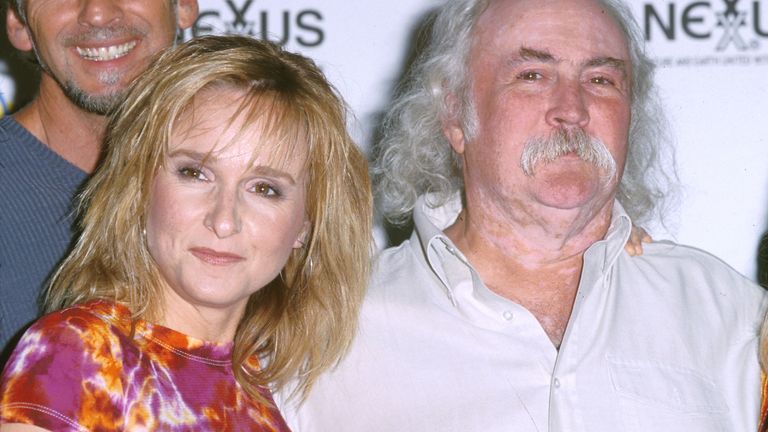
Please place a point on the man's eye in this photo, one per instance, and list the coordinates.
(529, 76)
(601, 80)
(265, 189)
(195, 173)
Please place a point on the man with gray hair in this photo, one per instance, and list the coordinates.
(525, 142)
(88, 53)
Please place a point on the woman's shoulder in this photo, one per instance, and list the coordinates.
(67, 361)
(91, 316)
(81, 341)
(88, 326)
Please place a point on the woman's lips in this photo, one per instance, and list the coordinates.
(215, 257)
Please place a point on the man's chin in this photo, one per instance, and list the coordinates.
(94, 104)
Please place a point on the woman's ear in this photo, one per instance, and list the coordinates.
(301, 240)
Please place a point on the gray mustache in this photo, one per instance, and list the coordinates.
(539, 150)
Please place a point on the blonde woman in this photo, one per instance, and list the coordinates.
(224, 250)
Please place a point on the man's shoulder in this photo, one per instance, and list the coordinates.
(692, 268)
(398, 271)
(11, 132)
(395, 262)
(27, 156)
(11, 137)
(395, 254)
(676, 254)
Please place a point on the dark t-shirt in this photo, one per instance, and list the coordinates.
(37, 188)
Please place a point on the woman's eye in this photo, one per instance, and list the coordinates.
(195, 173)
(265, 189)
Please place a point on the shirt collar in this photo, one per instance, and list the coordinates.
(615, 239)
(431, 218)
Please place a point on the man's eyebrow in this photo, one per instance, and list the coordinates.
(612, 62)
(526, 53)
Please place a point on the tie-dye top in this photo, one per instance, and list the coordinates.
(764, 407)
(83, 369)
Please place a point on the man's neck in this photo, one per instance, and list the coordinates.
(535, 238)
(72, 133)
(537, 265)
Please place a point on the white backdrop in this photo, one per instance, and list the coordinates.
(713, 77)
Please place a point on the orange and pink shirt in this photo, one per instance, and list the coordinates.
(763, 427)
(84, 369)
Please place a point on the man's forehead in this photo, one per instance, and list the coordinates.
(551, 25)
(572, 11)
(533, 4)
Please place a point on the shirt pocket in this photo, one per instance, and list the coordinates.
(661, 397)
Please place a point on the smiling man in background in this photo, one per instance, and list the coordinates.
(88, 52)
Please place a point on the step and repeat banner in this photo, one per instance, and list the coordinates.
(713, 78)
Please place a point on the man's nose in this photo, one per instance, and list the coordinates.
(568, 109)
(100, 13)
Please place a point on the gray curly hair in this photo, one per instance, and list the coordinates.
(414, 157)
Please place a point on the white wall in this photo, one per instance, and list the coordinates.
(714, 97)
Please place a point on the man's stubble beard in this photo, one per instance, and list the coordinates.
(101, 105)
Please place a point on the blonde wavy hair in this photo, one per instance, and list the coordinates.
(303, 321)
(763, 345)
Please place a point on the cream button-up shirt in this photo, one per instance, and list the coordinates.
(666, 341)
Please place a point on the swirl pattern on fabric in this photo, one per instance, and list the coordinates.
(91, 368)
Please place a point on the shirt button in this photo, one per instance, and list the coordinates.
(557, 383)
(508, 315)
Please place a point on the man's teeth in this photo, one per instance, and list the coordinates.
(105, 53)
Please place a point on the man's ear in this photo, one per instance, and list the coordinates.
(186, 13)
(18, 33)
(452, 129)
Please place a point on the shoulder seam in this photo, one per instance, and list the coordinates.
(48, 411)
